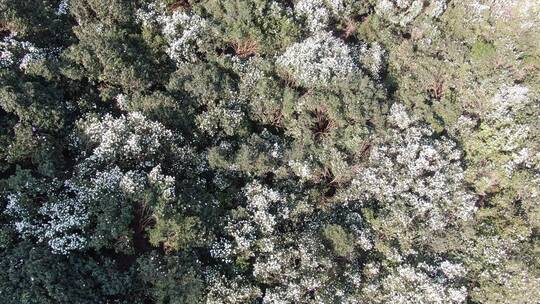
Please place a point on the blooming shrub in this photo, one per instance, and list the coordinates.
(269, 151)
(320, 60)
(416, 180)
(125, 139)
(422, 283)
(185, 35)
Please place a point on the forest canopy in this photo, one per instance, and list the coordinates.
(269, 151)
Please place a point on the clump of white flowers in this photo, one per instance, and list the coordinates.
(127, 138)
(64, 229)
(185, 34)
(403, 12)
(494, 260)
(372, 59)
(230, 291)
(320, 60)
(422, 283)
(417, 179)
(318, 13)
(226, 115)
(303, 169)
(61, 221)
(505, 130)
(259, 221)
(62, 8)
(151, 14)
(506, 121)
(165, 183)
(23, 53)
(293, 264)
(249, 71)
(121, 102)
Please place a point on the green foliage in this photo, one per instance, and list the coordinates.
(340, 240)
(176, 234)
(172, 279)
(482, 50)
(253, 26)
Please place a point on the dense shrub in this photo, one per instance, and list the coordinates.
(269, 151)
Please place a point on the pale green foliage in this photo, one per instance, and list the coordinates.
(403, 12)
(340, 240)
(176, 234)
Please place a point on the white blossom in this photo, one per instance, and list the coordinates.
(185, 34)
(163, 182)
(62, 8)
(229, 291)
(61, 221)
(129, 138)
(226, 116)
(23, 53)
(320, 60)
(417, 179)
(419, 283)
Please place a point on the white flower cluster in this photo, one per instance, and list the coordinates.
(259, 222)
(318, 13)
(63, 8)
(510, 133)
(23, 53)
(151, 14)
(185, 34)
(303, 169)
(131, 182)
(298, 273)
(61, 221)
(373, 59)
(130, 138)
(505, 129)
(507, 104)
(321, 60)
(249, 71)
(64, 230)
(260, 199)
(121, 102)
(403, 12)
(226, 116)
(294, 265)
(421, 283)
(515, 11)
(417, 179)
(494, 257)
(165, 183)
(229, 291)
(23, 223)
